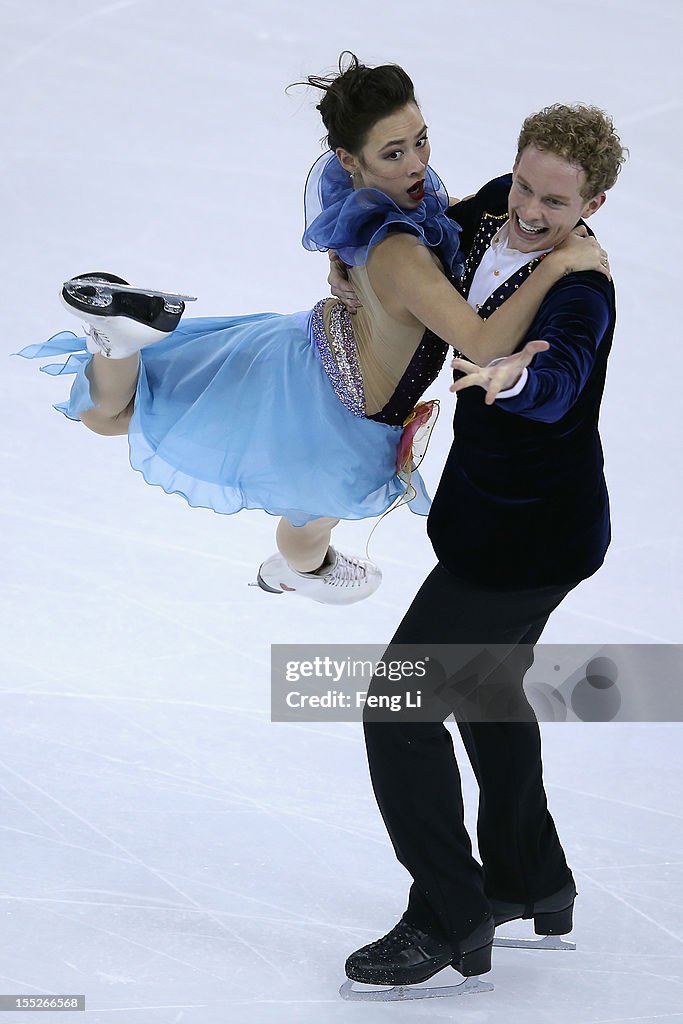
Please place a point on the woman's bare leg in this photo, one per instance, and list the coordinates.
(112, 389)
(304, 548)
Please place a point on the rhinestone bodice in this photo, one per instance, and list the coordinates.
(339, 356)
(422, 371)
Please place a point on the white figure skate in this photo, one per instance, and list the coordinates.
(346, 580)
(120, 319)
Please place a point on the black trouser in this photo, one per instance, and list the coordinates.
(417, 784)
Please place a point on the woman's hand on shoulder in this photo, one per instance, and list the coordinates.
(579, 251)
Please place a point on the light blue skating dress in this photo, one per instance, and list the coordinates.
(267, 411)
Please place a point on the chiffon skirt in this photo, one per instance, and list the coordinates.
(238, 412)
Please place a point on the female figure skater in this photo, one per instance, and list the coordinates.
(303, 415)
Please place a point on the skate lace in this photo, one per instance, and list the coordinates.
(348, 572)
(99, 337)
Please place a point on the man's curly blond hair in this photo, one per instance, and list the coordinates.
(581, 135)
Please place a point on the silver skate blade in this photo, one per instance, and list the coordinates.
(547, 942)
(262, 586)
(260, 582)
(98, 282)
(354, 991)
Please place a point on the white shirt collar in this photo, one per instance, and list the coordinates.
(500, 241)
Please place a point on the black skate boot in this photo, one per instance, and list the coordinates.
(119, 319)
(407, 955)
(553, 915)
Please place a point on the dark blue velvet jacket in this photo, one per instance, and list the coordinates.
(522, 501)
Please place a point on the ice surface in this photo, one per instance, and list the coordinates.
(166, 849)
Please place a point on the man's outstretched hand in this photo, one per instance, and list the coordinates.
(340, 285)
(499, 375)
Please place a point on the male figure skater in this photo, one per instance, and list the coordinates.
(520, 517)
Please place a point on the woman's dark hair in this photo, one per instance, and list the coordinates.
(357, 98)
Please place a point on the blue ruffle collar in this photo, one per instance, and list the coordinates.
(351, 221)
